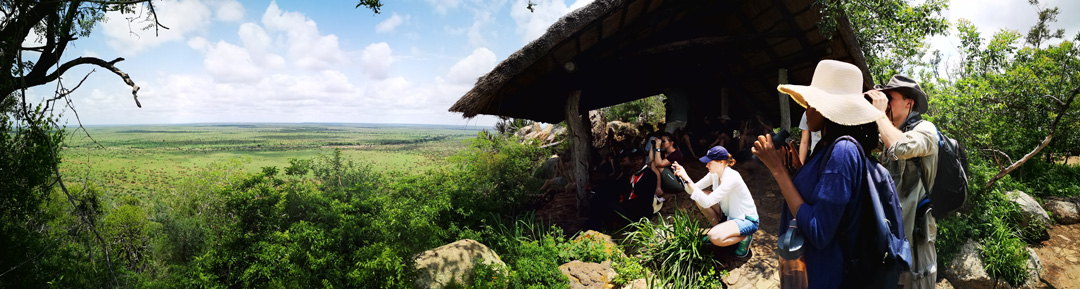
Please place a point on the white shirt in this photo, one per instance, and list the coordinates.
(729, 191)
(815, 136)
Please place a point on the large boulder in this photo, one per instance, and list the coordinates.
(967, 270)
(1066, 212)
(1034, 222)
(588, 275)
(453, 262)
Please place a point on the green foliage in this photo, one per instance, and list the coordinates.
(298, 167)
(1006, 101)
(649, 110)
(993, 223)
(675, 248)
(893, 34)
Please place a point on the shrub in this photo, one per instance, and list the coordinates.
(991, 221)
(673, 248)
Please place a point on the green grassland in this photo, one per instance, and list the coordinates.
(149, 158)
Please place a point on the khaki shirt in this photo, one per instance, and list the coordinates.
(917, 145)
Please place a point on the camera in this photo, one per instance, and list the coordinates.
(780, 139)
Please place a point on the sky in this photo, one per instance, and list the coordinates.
(324, 61)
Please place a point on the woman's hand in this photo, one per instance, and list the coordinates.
(681, 172)
(765, 150)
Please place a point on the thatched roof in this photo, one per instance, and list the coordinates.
(616, 51)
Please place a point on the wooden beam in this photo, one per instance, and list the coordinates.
(579, 150)
(677, 45)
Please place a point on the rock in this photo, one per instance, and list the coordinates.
(454, 261)
(637, 284)
(967, 269)
(588, 275)
(944, 284)
(1034, 270)
(1033, 216)
(1065, 212)
(609, 245)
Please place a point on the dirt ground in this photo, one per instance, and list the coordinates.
(1059, 256)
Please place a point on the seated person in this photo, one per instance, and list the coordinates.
(629, 195)
(729, 197)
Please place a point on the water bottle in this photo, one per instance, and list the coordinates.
(792, 265)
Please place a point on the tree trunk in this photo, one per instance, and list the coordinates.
(579, 148)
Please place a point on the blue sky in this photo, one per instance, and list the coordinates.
(324, 61)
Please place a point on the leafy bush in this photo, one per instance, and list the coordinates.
(674, 247)
(992, 222)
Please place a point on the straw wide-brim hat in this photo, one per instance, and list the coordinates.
(836, 92)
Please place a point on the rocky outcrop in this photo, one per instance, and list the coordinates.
(1034, 221)
(452, 262)
(1064, 211)
(588, 275)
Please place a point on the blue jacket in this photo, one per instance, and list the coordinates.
(828, 191)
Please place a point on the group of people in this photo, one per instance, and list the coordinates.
(826, 184)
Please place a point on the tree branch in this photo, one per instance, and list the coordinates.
(1043, 144)
(999, 152)
(31, 81)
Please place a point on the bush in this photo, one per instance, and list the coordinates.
(674, 248)
(992, 222)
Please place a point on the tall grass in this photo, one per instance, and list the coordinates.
(674, 247)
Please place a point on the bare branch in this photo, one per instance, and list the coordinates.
(999, 152)
(1043, 144)
(30, 81)
(1055, 99)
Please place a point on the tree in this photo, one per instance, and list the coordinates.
(1012, 102)
(892, 33)
(31, 139)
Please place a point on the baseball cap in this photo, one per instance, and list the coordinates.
(716, 153)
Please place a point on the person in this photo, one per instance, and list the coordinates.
(624, 195)
(910, 153)
(808, 141)
(677, 106)
(820, 193)
(728, 196)
(664, 153)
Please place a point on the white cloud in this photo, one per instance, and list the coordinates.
(468, 69)
(533, 24)
(376, 60)
(228, 10)
(442, 6)
(388, 25)
(481, 20)
(124, 32)
(307, 49)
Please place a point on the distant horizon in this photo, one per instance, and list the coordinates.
(478, 127)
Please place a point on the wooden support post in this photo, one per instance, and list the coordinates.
(785, 110)
(579, 152)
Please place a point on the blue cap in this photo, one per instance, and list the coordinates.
(716, 153)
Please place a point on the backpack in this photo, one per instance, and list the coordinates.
(882, 252)
(951, 184)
